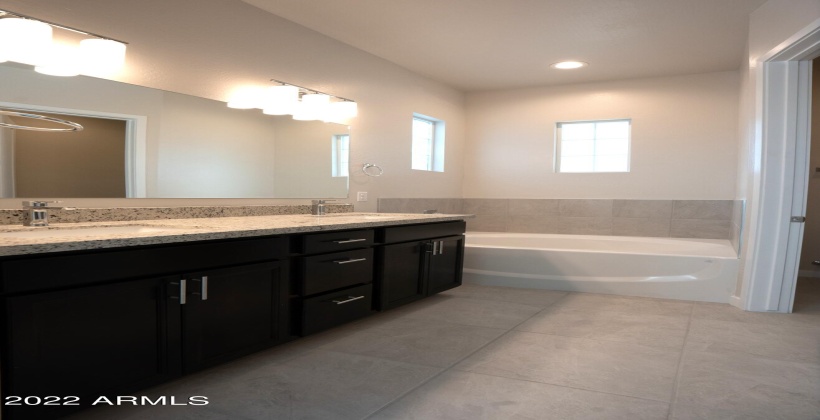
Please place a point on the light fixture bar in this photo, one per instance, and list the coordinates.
(7, 13)
(311, 90)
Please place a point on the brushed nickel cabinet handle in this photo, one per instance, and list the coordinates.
(441, 248)
(349, 299)
(348, 241)
(352, 260)
(183, 291)
(435, 248)
(203, 287)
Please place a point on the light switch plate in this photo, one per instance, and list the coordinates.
(361, 196)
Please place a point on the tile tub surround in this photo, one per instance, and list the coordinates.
(118, 214)
(479, 352)
(703, 219)
(202, 229)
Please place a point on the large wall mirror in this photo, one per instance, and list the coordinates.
(143, 142)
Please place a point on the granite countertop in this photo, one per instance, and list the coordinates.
(58, 237)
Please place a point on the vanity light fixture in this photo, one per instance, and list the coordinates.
(569, 65)
(28, 40)
(281, 100)
(302, 103)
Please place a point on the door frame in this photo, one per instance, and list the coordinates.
(136, 131)
(780, 173)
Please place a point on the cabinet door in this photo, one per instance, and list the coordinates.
(445, 265)
(400, 271)
(232, 312)
(85, 342)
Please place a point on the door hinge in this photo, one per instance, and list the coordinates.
(798, 219)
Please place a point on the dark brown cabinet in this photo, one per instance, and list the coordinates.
(427, 260)
(115, 334)
(112, 322)
(335, 286)
(85, 342)
(227, 313)
(444, 266)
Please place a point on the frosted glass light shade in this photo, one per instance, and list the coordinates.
(314, 106)
(247, 98)
(101, 57)
(281, 100)
(24, 41)
(61, 60)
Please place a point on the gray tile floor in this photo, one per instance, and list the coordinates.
(480, 352)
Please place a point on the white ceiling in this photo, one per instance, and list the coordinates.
(494, 44)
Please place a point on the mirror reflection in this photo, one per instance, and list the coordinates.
(142, 142)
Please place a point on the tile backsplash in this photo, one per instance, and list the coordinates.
(706, 219)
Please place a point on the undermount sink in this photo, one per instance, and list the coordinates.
(70, 232)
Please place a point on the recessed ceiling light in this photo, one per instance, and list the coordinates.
(567, 65)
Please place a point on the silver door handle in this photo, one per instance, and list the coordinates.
(350, 261)
(441, 248)
(347, 241)
(350, 299)
(183, 291)
(435, 248)
(203, 287)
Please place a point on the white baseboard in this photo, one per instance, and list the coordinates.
(736, 302)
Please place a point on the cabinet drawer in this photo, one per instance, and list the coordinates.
(337, 241)
(424, 231)
(322, 273)
(332, 309)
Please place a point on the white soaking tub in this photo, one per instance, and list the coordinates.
(671, 268)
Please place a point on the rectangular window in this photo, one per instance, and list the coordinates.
(592, 146)
(428, 144)
(340, 155)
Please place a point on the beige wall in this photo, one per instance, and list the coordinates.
(303, 160)
(185, 46)
(77, 164)
(769, 26)
(207, 150)
(683, 139)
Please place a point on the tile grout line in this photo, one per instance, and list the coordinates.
(676, 383)
(448, 368)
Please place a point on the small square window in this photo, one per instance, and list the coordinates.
(428, 144)
(592, 146)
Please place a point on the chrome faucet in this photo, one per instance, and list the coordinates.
(317, 208)
(37, 214)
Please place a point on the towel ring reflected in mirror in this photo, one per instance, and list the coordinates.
(72, 126)
(371, 169)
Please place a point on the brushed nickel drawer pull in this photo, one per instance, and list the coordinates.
(348, 241)
(350, 261)
(349, 299)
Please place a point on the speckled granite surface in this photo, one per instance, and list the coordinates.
(15, 216)
(68, 236)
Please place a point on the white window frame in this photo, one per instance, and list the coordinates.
(340, 162)
(559, 141)
(434, 147)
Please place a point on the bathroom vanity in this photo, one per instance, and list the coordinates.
(111, 314)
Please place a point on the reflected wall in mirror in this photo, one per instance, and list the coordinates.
(172, 145)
